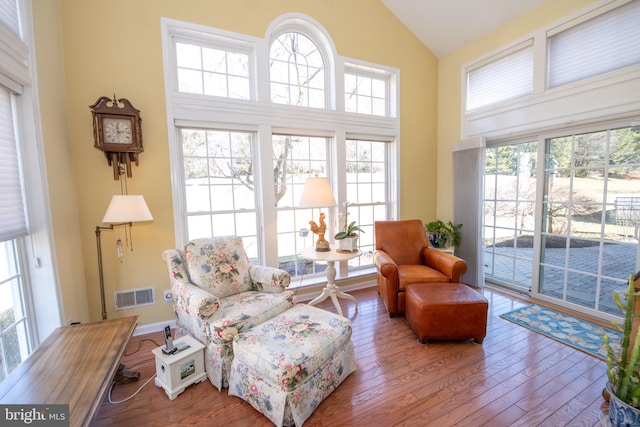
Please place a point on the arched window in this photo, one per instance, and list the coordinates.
(254, 115)
(297, 71)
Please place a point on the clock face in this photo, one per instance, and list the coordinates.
(117, 131)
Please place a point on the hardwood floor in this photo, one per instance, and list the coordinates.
(515, 378)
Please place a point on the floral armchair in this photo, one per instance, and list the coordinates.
(217, 294)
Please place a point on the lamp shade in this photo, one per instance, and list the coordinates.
(127, 208)
(317, 194)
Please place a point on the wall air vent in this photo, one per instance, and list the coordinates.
(134, 298)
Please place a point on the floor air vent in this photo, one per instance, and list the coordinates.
(134, 298)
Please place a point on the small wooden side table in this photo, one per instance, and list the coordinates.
(331, 290)
(175, 372)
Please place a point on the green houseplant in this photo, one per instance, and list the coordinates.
(441, 233)
(623, 364)
(348, 237)
(348, 231)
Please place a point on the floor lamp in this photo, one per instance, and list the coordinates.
(317, 194)
(123, 210)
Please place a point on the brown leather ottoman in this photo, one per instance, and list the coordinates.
(446, 311)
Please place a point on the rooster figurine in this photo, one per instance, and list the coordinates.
(321, 244)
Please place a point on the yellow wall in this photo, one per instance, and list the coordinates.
(115, 47)
(450, 84)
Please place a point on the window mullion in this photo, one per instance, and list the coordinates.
(540, 43)
(266, 197)
(261, 65)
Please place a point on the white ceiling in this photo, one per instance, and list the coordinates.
(445, 25)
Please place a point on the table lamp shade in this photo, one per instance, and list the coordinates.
(127, 208)
(317, 194)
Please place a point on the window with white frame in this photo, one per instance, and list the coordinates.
(219, 185)
(295, 158)
(18, 335)
(297, 71)
(597, 48)
(212, 70)
(242, 166)
(604, 43)
(506, 77)
(365, 94)
(14, 324)
(367, 191)
(560, 208)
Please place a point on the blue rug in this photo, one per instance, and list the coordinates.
(569, 330)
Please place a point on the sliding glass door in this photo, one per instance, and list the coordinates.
(509, 206)
(590, 217)
(566, 230)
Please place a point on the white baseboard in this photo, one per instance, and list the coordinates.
(153, 327)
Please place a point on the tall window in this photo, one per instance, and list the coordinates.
(219, 185)
(240, 164)
(15, 325)
(295, 159)
(367, 191)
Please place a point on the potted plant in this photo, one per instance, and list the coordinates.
(348, 238)
(440, 233)
(623, 365)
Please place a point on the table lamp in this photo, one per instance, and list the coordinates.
(123, 210)
(317, 194)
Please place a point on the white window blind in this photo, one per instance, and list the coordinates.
(507, 77)
(13, 222)
(605, 43)
(9, 16)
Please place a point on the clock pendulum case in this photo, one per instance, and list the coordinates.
(117, 131)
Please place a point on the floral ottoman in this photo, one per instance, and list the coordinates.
(286, 366)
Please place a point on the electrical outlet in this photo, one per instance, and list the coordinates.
(168, 296)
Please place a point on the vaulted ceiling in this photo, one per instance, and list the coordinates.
(445, 25)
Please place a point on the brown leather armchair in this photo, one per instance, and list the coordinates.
(402, 256)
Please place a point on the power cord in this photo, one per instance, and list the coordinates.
(142, 386)
(130, 397)
(295, 292)
(139, 343)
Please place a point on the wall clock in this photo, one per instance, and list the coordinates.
(117, 131)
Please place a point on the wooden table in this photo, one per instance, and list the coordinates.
(75, 365)
(331, 290)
